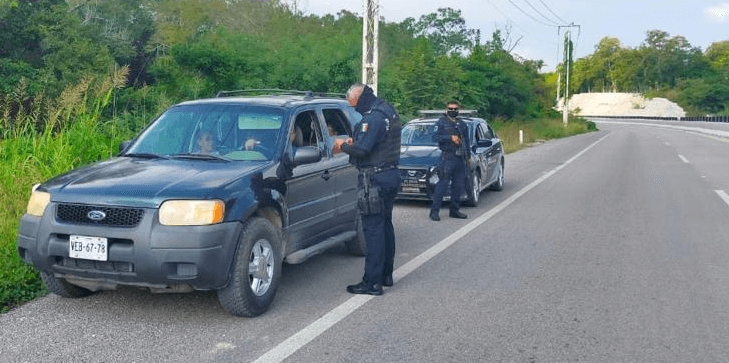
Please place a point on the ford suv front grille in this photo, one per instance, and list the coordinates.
(98, 215)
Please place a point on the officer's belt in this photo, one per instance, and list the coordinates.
(377, 169)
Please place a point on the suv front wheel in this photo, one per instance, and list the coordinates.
(256, 270)
(63, 288)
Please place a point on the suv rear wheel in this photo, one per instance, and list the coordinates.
(358, 245)
(256, 270)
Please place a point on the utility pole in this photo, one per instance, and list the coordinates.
(370, 29)
(567, 56)
(567, 61)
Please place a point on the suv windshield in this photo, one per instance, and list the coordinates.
(418, 134)
(236, 132)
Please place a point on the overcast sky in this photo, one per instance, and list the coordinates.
(535, 22)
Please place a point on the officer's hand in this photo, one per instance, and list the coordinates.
(337, 146)
(350, 141)
(455, 139)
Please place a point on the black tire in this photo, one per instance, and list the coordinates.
(475, 191)
(256, 270)
(499, 183)
(357, 246)
(63, 288)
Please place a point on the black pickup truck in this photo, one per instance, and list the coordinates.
(215, 194)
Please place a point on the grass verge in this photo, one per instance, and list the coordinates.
(71, 136)
(539, 130)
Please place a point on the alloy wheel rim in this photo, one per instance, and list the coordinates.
(501, 176)
(260, 267)
(476, 187)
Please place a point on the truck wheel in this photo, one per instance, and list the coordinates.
(63, 288)
(256, 270)
(358, 245)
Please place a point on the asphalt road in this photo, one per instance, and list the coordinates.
(606, 247)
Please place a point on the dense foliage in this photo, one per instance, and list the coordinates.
(663, 66)
(178, 50)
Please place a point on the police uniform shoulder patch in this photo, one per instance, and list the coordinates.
(365, 126)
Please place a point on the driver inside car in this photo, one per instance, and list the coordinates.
(205, 143)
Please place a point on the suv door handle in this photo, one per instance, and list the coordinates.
(326, 175)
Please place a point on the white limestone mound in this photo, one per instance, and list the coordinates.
(621, 104)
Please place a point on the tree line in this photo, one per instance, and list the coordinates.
(663, 65)
(178, 50)
(184, 49)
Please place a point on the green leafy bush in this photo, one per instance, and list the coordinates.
(72, 136)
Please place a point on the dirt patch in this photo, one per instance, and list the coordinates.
(621, 104)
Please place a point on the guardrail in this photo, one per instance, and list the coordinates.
(666, 118)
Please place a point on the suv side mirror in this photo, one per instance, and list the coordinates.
(484, 143)
(307, 155)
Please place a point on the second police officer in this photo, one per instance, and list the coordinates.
(451, 134)
(375, 151)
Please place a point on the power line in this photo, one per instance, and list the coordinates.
(540, 13)
(529, 15)
(507, 18)
(550, 10)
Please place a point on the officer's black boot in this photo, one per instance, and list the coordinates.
(365, 288)
(457, 214)
(434, 215)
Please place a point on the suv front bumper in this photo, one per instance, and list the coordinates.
(149, 254)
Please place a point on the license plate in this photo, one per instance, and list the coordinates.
(410, 182)
(88, 248)
(410, 190)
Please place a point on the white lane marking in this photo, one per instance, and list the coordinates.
(313, 330)
(722, 194)
(708, 136)
(683, 158)
(718, 133)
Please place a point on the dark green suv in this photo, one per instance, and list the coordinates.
(215, 194)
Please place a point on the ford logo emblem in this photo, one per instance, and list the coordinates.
(96, 215)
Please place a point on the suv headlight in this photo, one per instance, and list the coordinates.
(191, 212)
(38, 202)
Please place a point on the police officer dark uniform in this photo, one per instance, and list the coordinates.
(375, 151)
(452, 138)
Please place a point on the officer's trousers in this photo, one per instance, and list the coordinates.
(453, 170)
(379, 230)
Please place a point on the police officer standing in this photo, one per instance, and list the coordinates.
(375, 151)
(452, 137)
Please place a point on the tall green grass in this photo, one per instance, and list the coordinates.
(52, 137)
(539, 130)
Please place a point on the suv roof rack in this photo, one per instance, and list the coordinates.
(278, 92)
(442, 112)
